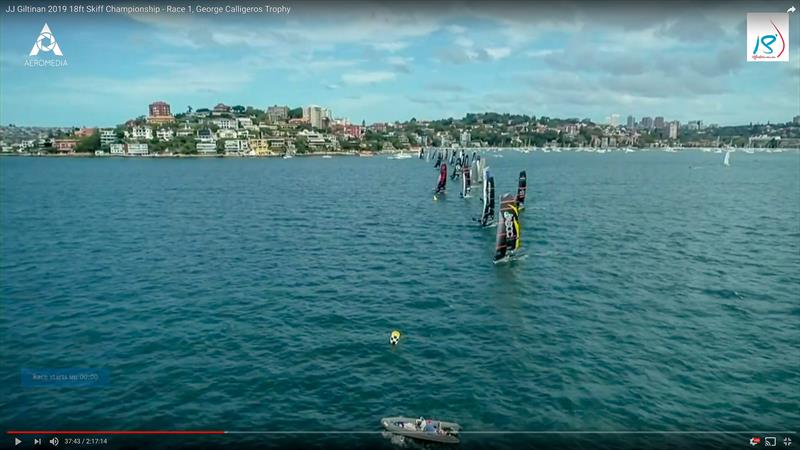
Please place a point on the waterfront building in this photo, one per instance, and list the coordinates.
(137, 149)
(631, 122)
(226, 133)
(221, 109)
(315, 140)
(244, 122)
(65, 145)
(141, 133)
(116, 148)
(108, 136)
(378, 127)
(205, 135)
(85, 132)
(205, 147)
(276, 143)
(647, 123)
(673, 130)
(317, 116)
(796, 120)
(695, 125)
(158, 109)
(165, 134)
(465, 138)
(259, 146)
(571, 129)
(658, 123)
(236, 146)
(350, 131)
(159, 112)
(277, 113)
(225, 123)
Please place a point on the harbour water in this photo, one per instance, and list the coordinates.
(660, 292)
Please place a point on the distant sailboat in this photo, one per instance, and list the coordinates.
(522, 190)
(442, 183)
(487, 216)
(466, 182)
(727, 161)
(480, 168)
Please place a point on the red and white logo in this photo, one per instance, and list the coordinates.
(755, 441)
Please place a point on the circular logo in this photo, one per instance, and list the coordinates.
(51, 42)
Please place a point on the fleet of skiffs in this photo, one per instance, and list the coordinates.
(472, 170)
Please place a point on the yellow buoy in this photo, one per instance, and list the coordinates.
(395, 337)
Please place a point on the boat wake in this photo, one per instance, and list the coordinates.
(512, 258)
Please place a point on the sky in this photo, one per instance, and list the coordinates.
(387, 61)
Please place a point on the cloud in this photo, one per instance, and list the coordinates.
(498, 53)
(390, 46)
(445, 86)
(539, 53)
(387, 27)
(463, 41)
(456, 55)
(692, 28)
(214, 79)
(456, 29)
(401, 64)
(356, 107)
(464, 55)
(424, 100)
(364, 77)
(673, 61)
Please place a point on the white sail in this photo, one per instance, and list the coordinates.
(727, 161)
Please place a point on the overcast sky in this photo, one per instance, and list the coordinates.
(374, 62)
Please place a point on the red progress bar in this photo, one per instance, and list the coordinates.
(115, 432)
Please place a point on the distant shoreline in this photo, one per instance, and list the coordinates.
(176, 156)
(414, 152)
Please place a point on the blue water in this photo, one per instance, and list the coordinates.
(660, 292)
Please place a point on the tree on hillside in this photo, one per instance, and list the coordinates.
(296, 113)
(301, 145)
(88, 144)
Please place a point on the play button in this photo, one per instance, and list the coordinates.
(17, 441)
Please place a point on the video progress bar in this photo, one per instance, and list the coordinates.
(477, 432)
(129, 432)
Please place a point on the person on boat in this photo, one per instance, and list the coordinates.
(442, 178)
(430, 427)
(420, 423)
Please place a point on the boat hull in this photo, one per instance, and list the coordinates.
(406, 426)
